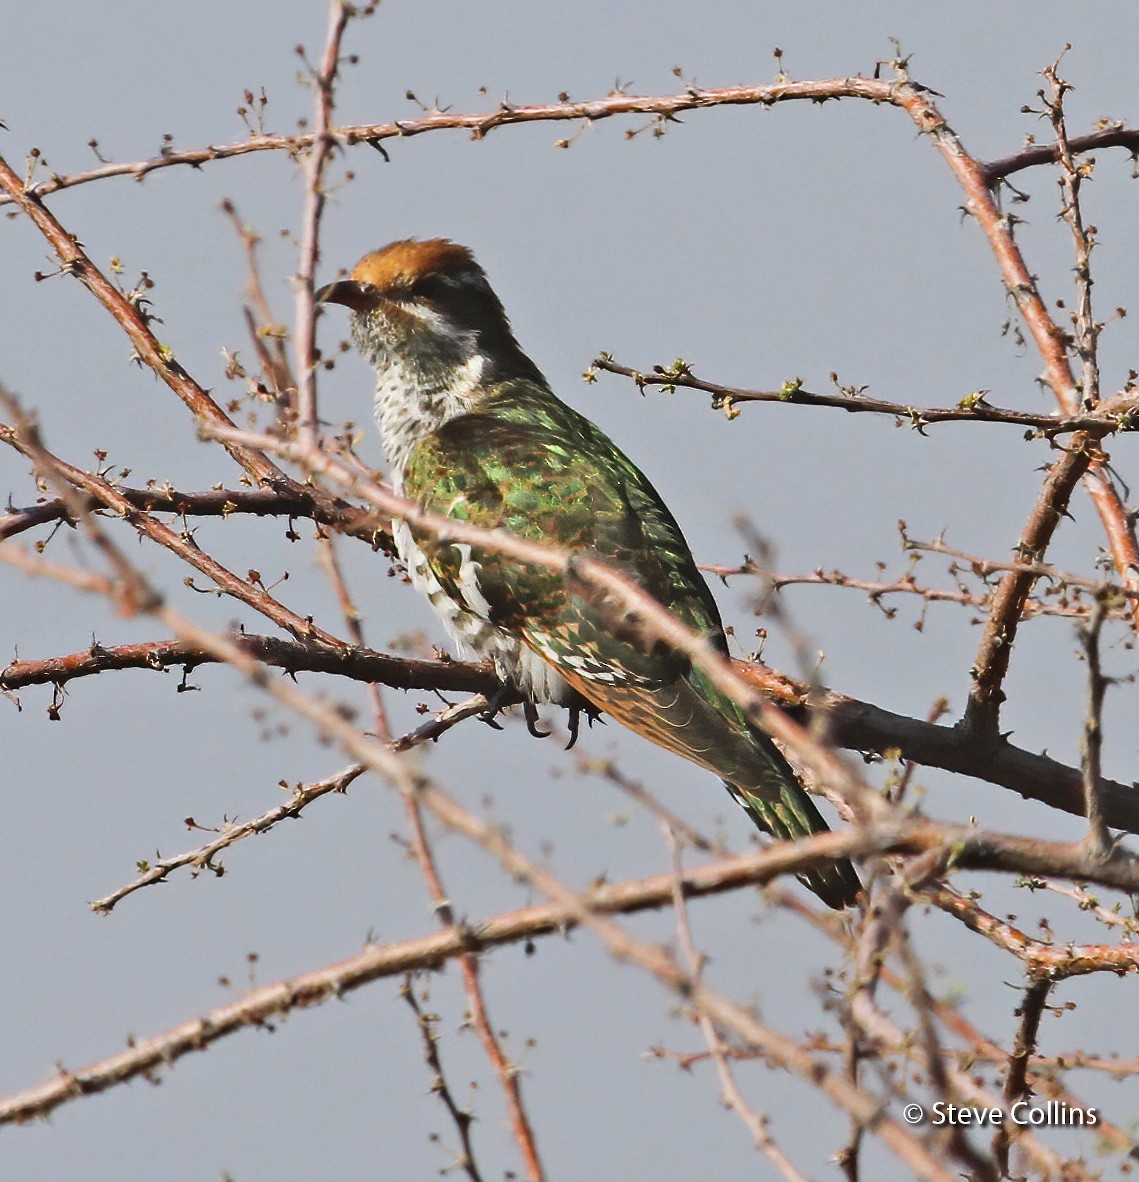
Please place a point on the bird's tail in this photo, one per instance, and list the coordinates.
(756, 772)
(790, 815)
(692, 718)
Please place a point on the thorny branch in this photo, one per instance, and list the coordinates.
(203, 858)
(983, 568)
(462, 1118)
(1016, 1078)
(1067, 595)
(617, 594)
(129, 310)
(623, 947)
(222, 502)
(303, 795)
(249, 591)
(1099, 840)
(265, 334)
(1072, 175)
(932, 840)
(616, 105)
(1109, 135)
(1115, 415)
(1045, 1070)
(852, 724)
(1082, 459)
(316, 164)
(478, 1014)
(259, 1006)
(783, 1050)
(480, 124)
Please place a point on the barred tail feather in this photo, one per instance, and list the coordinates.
(794, 816)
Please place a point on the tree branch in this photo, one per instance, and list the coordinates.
(379, 961)
(1113, 136)
(480, 124)
(852, 724)
(1115, 415)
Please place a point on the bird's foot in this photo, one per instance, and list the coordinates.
(576, 710)
(495, 704)
(530, 712)
(505, 696)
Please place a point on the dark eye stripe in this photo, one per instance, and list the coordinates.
(432, 286)
(440, 284)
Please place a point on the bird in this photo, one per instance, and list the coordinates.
(474, 432)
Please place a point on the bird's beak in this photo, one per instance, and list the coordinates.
(348, 292)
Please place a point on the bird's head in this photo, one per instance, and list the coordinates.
(427, 306)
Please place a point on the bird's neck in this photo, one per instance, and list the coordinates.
(413, 402)
(420, 385)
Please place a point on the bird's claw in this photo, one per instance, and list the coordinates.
(505, 696)
(530, 712)
(576, 710)
(494, 706)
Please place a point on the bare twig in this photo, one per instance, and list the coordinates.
(248, 591)
(883, 831)
(1112, 135)
(480, 124)
(1045, 1071)
(1057, 962)
(203, 857)
(460, 1117)
(274, 358)
(1089, 904)
(1016, 1078)
(853, 724)
(618, 104)
(303, 796)
(223, 502)
(1115, 416)
(133, 318)
(731, 1095)
(505, 1071)
(331, 562)
(982, 713)
(294, 656)
(1099, 839)
(933, 1055)
(878, 590)
(885, 905)
(378, 961)
(983, 567)
(1072, 176)
(315, 167)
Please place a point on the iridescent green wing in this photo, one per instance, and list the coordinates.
(526, 462)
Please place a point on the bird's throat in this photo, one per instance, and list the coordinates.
(421, 382)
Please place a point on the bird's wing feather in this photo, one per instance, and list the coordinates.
(527, 463)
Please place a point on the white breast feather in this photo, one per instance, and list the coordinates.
(468, 624)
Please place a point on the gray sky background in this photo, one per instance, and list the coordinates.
(759, 246)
